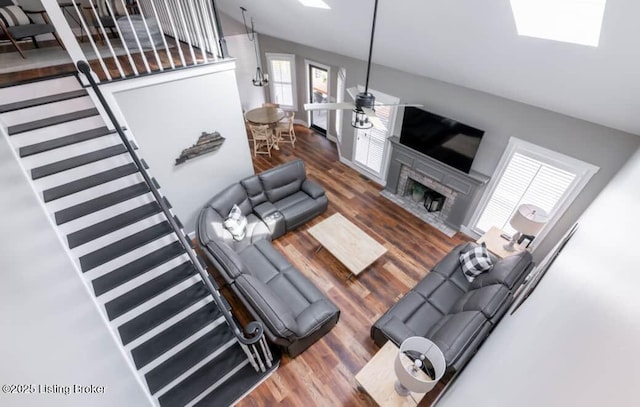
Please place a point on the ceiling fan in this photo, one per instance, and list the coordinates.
(363, 107)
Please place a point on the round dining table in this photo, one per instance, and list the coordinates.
(264, 115)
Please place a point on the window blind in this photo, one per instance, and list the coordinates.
(370, 144)
(524, 180)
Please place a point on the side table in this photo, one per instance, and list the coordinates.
(377, 379)
(495, 243)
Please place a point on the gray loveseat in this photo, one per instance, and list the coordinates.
(294, 312)
(452, 312)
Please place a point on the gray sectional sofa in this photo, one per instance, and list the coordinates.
(452, 312)
(294, 312)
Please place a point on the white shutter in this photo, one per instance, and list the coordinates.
(370, 144)
(524, 180)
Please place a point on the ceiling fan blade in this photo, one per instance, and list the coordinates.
(375, 120)
(325, 106)
(353, 92)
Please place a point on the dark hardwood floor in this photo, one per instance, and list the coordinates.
(163, 57)
(324, 375)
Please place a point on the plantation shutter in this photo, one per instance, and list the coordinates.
(370, 144)
(524, 180)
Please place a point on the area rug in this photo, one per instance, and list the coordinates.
(428, 217)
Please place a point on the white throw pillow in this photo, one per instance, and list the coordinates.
(236, 223)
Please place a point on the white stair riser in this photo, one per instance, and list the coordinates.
(157, 300)
(95, 192)
(118, 235)
(47, 110)
(39, 89)
(70, 151)
(59, 130)
(149, 275)
(195, 367)
(217, 384)
(171, 321)
(176, 349)
(87, 170)
(130, 257)
(104, 214)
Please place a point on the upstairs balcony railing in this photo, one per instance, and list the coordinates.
(129, 38)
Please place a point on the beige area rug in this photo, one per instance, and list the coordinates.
(51, 56)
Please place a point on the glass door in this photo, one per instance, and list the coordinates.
(318, 93)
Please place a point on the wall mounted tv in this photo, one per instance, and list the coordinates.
(446, 140)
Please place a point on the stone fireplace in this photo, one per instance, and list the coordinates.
(409, 167)
(409, 178)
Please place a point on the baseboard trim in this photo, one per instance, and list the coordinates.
(469, 232)
(354, 167)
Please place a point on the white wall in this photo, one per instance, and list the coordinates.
(52, 332)
(165, 118)
(241, 48)
(575, 341)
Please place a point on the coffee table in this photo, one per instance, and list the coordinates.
(347, 243)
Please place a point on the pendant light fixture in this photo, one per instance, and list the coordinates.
(261, 79)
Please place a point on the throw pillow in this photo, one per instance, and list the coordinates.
(475, 261)
(12, 16)
(236, 223)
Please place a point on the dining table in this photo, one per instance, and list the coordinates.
(265, 115)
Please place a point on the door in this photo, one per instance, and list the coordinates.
(318, 92)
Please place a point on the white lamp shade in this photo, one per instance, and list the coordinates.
(529, 219)
(419, 382)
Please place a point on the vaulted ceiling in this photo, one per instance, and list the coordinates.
(476, 44)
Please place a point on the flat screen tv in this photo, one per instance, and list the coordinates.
(451, 142)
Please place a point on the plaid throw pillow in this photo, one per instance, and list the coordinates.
(475, 261)
(235, 223)
(12, 16)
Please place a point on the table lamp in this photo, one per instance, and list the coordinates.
(527, 220)
(411, 377)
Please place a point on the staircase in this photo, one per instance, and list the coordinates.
(169, 316)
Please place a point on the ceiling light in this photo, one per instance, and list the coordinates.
(315, 4)
(573, 21)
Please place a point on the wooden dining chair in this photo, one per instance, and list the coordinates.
(285, 130)
(16, 25)
(262, 139)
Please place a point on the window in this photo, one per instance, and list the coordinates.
(341, 89)
(573, 21)
(371, 145)
(530, 174)
(282, 79)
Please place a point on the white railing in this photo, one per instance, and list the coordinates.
(129, 38)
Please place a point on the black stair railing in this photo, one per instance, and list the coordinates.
(252, 340)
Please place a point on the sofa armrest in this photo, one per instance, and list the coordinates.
(314, 316)
(312, 188)
(266, 303)
(508, 271)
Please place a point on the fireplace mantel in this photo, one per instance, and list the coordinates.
(465, 185)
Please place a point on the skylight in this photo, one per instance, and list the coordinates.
(315, 3)
(574, 21)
